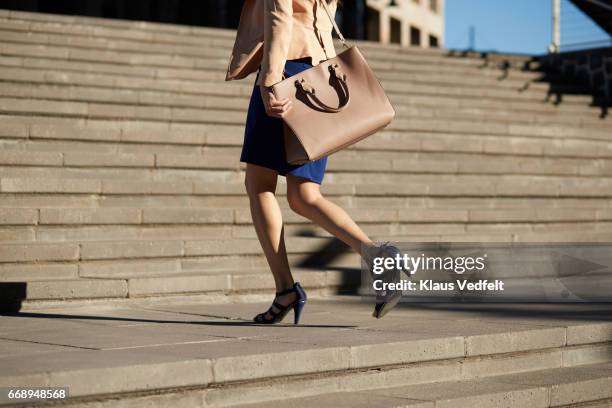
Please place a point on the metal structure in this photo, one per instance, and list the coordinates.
(580, 24)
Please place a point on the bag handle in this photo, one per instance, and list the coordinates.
(343, 99)
(333, 21)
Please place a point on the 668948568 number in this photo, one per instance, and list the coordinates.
(8, 394)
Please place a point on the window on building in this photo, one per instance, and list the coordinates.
(433, 41)
(433, 5)
(415, 36)
(396, 31)
(373, 25)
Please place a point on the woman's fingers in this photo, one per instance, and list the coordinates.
(282, 106)
(279, 102)
(278, 107)
(287, 103)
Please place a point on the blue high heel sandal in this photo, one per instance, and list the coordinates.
(281, 310)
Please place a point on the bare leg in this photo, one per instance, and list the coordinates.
(305, 198)
(268, 222)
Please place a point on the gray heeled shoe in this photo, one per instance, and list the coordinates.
(390, 298)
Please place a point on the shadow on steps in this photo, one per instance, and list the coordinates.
(585, 72)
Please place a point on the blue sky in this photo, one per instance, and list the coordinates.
(516, 26)
(519, 26)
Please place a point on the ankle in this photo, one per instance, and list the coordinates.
(369, 252)
(284, 287)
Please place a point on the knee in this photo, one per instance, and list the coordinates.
(255, 187)
(300, 202)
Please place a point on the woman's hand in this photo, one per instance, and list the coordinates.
(277, 108)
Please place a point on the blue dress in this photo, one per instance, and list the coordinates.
(264, 143)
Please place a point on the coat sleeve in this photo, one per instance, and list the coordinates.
(278, 26)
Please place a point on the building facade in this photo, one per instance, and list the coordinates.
(405, 22)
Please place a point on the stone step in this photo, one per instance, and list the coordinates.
(408, 119)
(424, 230)
(215, 38)
(516, 79)
(56, 153)
(153, 248)
(107, 88)
(194, 248)
(54, 277)
(169, 59)
(71, 243)
(29, 204)
(512, 78)
(542, 388)
(211, 356)
(81, 37)
(500, 230)
(240, 262)
(416, 55)
(404, 185)
(133, 131)
(88, 94)
(35, 59)
(16, 162)
(72, 46)
(234, 196)
(411, 185)
(373, 50)
(419, 153)
(543, 105)
(529, 90)
(128, 285)
(532, 94)
(65, 135)
(196, 117)
(161, 32)
(239, 215)
(85, 77)
(136, 29)
(52, 259)
(229, 282)
(437, 137)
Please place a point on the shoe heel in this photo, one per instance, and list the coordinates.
(297, 311)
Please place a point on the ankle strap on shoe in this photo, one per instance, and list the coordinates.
(287, 291)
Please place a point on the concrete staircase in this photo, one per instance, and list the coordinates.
(119, 172)
(442, 355)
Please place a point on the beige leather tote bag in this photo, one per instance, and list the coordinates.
(335, 104)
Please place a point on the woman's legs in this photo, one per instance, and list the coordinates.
(305, 198)
(260, 184)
